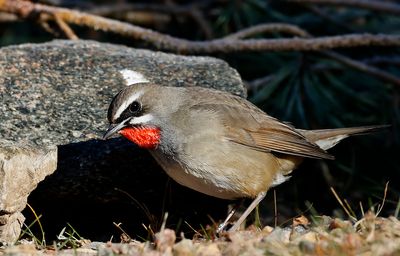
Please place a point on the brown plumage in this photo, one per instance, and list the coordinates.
(217, 143)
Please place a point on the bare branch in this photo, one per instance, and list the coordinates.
(43, 19)
(364, 67)
(106, 10)
(205, 26)
(168, 43)
(383, 60)
(65, 28)
(191, 10)
(8, 17)
(255, 84)
(231, 43)
(383, 75)
(324, 15)
(299, 44)
(269, 28)
(372, 5)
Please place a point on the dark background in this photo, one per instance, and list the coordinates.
(304, 88)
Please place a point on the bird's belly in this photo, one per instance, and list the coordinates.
(217, 187)
(227, 177)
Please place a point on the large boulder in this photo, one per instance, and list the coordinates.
(54, 98)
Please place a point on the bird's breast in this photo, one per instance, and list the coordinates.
(145, 137)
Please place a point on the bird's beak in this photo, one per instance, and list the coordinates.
(115, 128)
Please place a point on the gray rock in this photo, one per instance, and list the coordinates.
(57, 94)
(22, 167)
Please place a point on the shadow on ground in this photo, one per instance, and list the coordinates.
(100, 182)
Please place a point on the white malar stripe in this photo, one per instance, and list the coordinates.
(141, 119)
(126, 103)
(132, 77)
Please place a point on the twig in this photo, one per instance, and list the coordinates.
(269, 28)
(169, 43)
(106, 10)
(329, 18)
(65, 28)
(191, 10)
(43, 22)
(118, 225)
(232, 43)
(194, 230)
(381, 74)
(385, 76)
(205, 26)
(372, 5)
(383, 60)
(8, 17)
(256, 83)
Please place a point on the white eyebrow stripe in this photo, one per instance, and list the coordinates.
(132, 77)
(141, 119)
(126, 103)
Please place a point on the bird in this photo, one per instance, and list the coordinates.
(215, 142)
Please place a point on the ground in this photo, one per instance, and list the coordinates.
(370, 235)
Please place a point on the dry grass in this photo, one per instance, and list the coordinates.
(371, 235)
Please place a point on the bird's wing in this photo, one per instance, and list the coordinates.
(247, 125)
(274, 136)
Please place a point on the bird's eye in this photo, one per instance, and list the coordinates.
(135, 107)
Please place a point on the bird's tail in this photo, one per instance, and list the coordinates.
(327, 138)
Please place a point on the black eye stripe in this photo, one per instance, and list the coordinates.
(133, 110)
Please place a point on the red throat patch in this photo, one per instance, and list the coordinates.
(145, 137)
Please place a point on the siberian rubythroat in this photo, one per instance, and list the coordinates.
(214, 142)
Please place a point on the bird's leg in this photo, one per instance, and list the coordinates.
(249, 209)
(223, 225)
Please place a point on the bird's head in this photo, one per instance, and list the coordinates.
(135, 114)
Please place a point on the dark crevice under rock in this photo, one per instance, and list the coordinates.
(93, 184)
